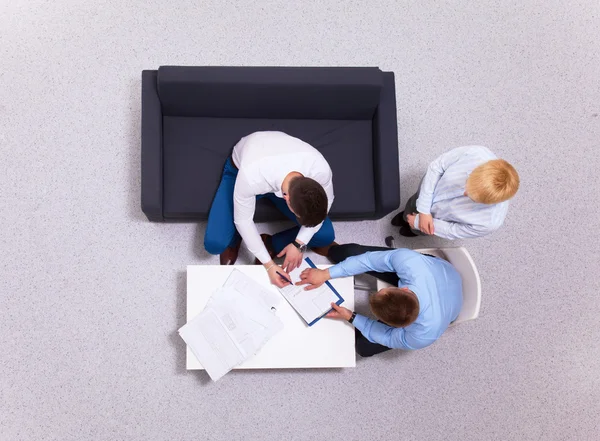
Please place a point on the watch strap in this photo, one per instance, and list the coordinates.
(351, 319)
(301, 247)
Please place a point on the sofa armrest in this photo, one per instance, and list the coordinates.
(152, 155)
(385, 150)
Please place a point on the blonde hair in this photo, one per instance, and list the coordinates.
(492, 182)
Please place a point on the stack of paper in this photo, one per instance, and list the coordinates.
(237, 321)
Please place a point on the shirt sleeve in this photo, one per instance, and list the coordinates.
(306, 233)
(455, 230)
(244, 204)
(434, 172)
(379, 261)
(395, 338)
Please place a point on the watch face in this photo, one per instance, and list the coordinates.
(302, 247)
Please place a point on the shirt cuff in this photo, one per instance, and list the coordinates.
(360, 322)
(416, 222)
(305, 235)
(335, 271)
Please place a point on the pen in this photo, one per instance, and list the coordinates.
(284, 278)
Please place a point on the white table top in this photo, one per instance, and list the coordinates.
(327, 344)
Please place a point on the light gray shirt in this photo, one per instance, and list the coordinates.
(456, 216)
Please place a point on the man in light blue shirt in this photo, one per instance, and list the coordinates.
(464, 194)
(413, 315)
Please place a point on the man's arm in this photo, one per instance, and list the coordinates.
(434, 172)
(379, 261)
(306, 233)
(396, 338)
(455, 230)
(244, 204)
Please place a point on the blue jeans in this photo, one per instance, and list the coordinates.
(221, 233)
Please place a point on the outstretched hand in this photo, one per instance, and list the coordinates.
(313, 277)
(339, 312)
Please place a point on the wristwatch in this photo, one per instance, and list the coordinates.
(301, 247)
(351, 319)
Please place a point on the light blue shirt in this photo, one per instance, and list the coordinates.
(455, 216)
(435, 282)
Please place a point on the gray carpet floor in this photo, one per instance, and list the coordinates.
(91, 293)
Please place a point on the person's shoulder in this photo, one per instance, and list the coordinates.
(405, 252)
(478, 151)
(253, 137)
(267, 137)
(481, 152)
(403, 257)
(448, 269)
(278, 136)
(498, 213)
(501, 206)
(422, 332)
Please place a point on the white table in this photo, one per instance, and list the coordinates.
(327, 344)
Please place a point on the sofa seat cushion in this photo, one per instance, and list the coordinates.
(195, 150)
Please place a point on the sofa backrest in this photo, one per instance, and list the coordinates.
(270, 92)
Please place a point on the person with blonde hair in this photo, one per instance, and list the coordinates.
(464, 194)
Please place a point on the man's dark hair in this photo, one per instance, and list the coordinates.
(308, 201)
(395, 306)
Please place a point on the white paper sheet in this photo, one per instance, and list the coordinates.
(255, 322)
(249, 288)
(236, 322)
(212, 344)
(312, 304)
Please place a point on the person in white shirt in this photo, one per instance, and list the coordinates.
(295, 177)
(464, 194)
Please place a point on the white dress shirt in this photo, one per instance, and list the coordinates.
(456, 216)
(264, 159)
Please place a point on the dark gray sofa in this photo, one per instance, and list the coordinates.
(193, 116)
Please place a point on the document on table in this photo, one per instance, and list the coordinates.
(236, 323)
(313, 304)
(249, 288)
